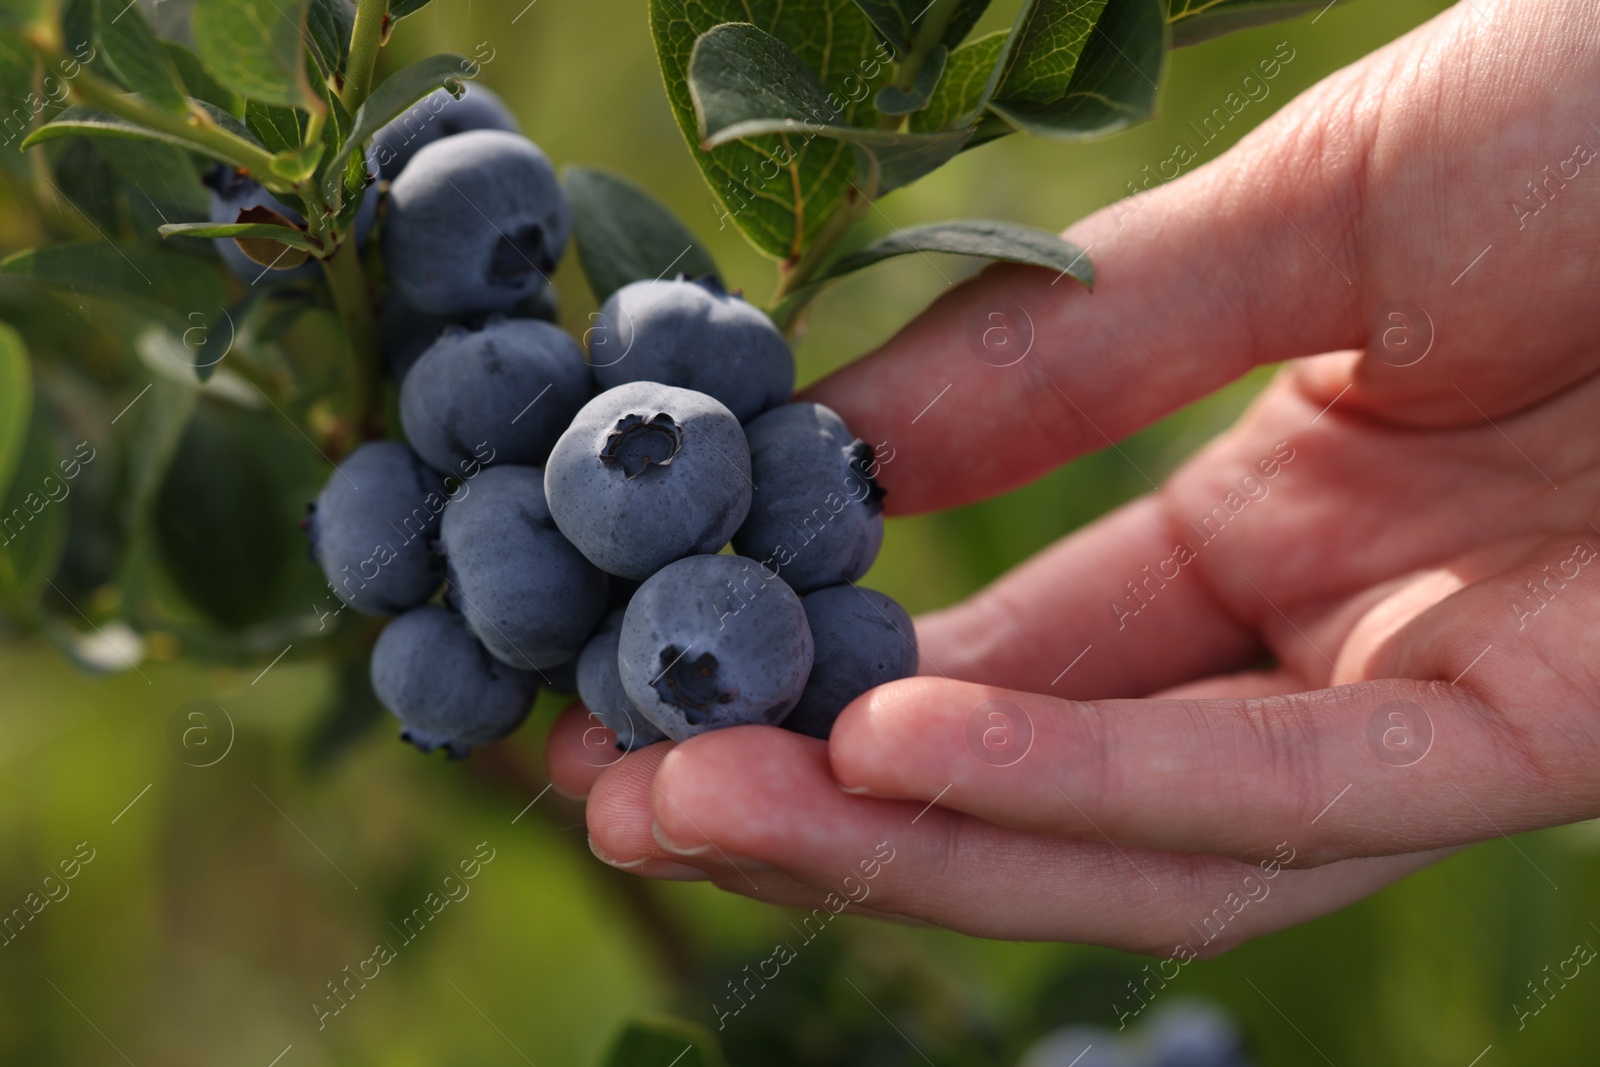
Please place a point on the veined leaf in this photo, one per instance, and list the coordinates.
(389, 100)
(779, 189)
(134, 52)
(286, 235)
(1194, 21)
(144, 273)
(898, 21)
(624, 235)
(256, 48)
(328, 24)
(989, 238)
(1115, 83)
(399, 9)
(959, 97)
(746, 83)
(893, 100)
(199, 82)
(1046, 42)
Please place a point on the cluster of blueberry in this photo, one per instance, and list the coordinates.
(575, 507)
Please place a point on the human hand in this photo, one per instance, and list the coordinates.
(1406, 527)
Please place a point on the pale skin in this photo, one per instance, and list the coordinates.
(1389, 561)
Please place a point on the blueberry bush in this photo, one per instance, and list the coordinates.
(278, 248)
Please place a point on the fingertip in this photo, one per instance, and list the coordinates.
(618, 812)
(698, 789)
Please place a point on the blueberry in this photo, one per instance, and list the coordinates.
(1081, 1046)
(435, 116)
(695, 335)
(373, 526)
(600, 688)
(232, 191)
(816, 515)
(1194, 1034)
(477, 222)
(502, 394)
(522, 589)
(647, 474)
(407, 332)
(862, 639)
(713, 641)
(443, 687)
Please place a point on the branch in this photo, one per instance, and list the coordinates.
(366, 37)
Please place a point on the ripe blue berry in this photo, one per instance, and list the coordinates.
(436, 116)
(863, 639)
(501, 394)
(600, 688)
(407, 332)
(373, 526)
(477, 222)
(521, 588)
(695, 335)
(1195, 1034)
(816, 515)
(647, 474)
(443, 687)
(711, 641)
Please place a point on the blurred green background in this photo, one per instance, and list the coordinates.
(220, 900)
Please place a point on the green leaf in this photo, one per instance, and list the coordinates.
(16, 402)
(144, 273)
(224, 523)
(898, 20)
(624, 235)
(199, 83)
(156, 178)
(989, 238)
(84, 177)
(134, 52)
(390, 99)
(286, 235)
(661, 1041)
(780, 190)
(34, 513)
(329, 22)
(1115, 83)
(746, 83)
(399, 9)
(92, 122)
(1046, 41)
(959, 97)
(893, 100)
(256, 48)
(1194, 21)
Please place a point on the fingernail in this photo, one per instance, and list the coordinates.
(618, 864)
(857, 790)
(673, 847)
(668, 871)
